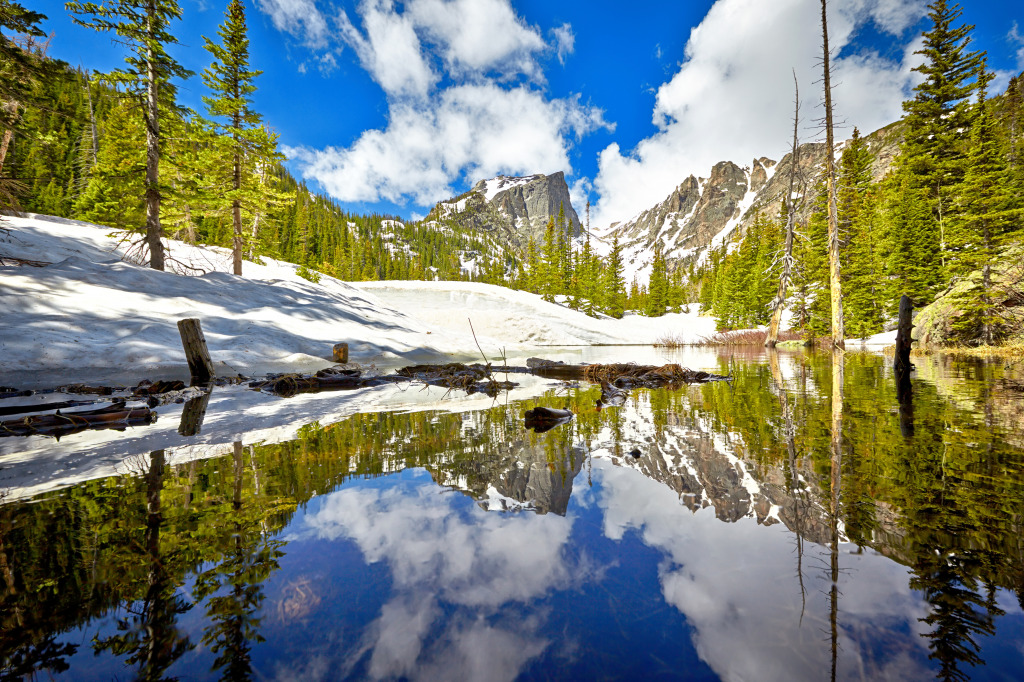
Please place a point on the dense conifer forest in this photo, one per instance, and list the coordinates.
(948, 216)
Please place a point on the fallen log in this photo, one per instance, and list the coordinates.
(8, 392)
(324, 380)
(627, 375)
(116, 416)
(43, 407)
(83, 388)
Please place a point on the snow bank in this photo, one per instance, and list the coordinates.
(89, 315)
(520, 321)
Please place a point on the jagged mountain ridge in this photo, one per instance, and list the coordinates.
(513, 208)
(698, 215)
(703, 213)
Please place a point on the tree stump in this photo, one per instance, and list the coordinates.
(199, 363)
(902, 361)
(902, 366)
(341, 353)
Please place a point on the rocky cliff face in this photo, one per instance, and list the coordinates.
(703, 213)
(515, 208)
(521, 476)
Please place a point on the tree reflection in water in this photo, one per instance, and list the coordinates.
(826, 451)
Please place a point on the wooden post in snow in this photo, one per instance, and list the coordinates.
(199, 363)
(341, 353)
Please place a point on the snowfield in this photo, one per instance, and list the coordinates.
(86, 314)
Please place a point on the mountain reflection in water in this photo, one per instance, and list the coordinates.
(745, 542)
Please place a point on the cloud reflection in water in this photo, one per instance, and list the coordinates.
(460, 579)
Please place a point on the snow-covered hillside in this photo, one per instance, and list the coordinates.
(82, 313)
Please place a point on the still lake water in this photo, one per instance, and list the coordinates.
(718, 531)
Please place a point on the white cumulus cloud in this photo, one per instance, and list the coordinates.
(464, 83)
(479, 130)
(300, 18)
(731, 98)
(477, 36)
(1017, 40)
(565, 41)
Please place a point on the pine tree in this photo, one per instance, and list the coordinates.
(911, 242)
(987, 215)
(657, 302)
(246, 143)
(20, 67)
(938, 119)
(862, 269)
(150, 70)
(613, 285)
(550, 280)
(114, 194)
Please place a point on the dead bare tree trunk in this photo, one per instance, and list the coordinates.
(11, 108)
(835, 286)
(154, 233)
(787, 256)
(92, 123)
(835, 484)
(236, 203)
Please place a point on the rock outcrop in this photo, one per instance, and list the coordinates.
(943, 322)
(702, 213)
(515, 208)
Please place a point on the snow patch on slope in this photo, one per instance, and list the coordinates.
(494, 186)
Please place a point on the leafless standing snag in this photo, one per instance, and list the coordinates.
(787, 256)
(835, 287)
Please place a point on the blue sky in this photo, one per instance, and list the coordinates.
(391, 106)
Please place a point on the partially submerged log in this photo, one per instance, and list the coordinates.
(901, 363)
(476, 378)
(902, 367)
(293, 384)
(542, 419)
(8, 392)
(86, 389)
(6, 411)
(626, 375)
(611, 395)
(117, 416)
(147, 387)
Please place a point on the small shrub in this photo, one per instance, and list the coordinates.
(307, 274)
(744, 337)
(673, 340)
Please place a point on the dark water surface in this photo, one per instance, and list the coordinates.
(793, 524)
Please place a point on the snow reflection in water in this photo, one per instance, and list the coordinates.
(366, 548)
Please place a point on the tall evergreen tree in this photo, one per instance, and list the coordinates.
(614, 288)
(232, 83)
(857, 222)
(550, 270)
(657, 297)
(19, 67)
(938, 118)
(987, 215)
(115, 193)
(144, 27)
